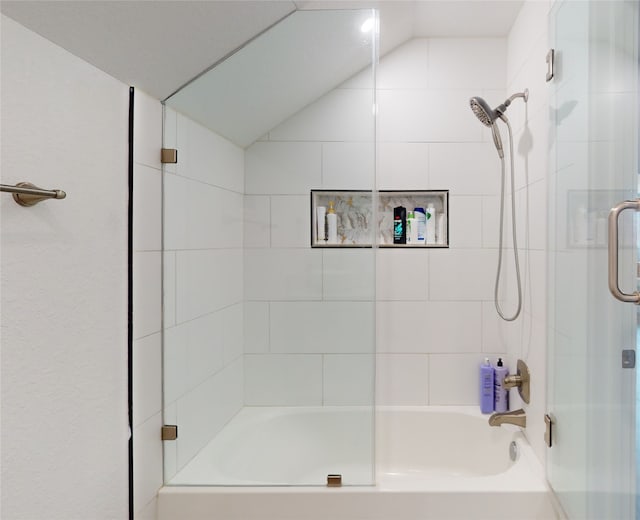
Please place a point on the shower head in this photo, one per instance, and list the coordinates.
(488, 116)
(483, 111)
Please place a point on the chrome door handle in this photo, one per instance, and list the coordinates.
(613, 251)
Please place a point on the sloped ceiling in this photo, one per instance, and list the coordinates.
(160, 46)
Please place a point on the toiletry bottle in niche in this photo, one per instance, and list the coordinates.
(430, 228)
(486, 387)
(332, 225)
(400, 225)
(321, 234)
(501, 395)
(412, 229)
(421, 219)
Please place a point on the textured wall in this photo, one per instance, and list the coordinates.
(63, 286)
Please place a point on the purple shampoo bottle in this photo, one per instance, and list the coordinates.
(486, 387)
(501, 394)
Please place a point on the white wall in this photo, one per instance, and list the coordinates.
(435, 322)
(63, 286)
(204, 311)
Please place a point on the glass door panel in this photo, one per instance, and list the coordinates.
(269, 344)
(594, 144)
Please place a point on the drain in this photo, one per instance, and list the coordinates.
(513, 451)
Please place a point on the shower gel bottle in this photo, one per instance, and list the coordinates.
(332, 225)
(501, 394)
(486, 387)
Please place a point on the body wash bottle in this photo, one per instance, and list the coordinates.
(421, 219)
(501, 394)
(486, 387)
(332, 225)
(430, 228)
(400, 225)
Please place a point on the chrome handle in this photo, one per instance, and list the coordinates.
(613, 251)
(27, 194)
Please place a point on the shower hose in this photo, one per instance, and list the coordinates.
(513, 226)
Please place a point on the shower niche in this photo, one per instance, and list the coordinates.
(357, 225)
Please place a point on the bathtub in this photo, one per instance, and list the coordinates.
(431, 463)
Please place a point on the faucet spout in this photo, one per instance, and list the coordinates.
(516, 417)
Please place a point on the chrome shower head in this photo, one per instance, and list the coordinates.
(483, 111)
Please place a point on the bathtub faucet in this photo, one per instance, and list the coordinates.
(516, 417)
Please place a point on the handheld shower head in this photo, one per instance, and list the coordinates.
(482, 111)
(488, 116)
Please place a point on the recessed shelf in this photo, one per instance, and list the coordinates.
(355, 214)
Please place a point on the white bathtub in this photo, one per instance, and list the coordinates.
(436, 463)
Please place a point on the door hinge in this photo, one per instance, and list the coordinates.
(551, 58)
(548, 430)
(169, 156)
(169, 432)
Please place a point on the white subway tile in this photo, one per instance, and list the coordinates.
(283, 274)
(467, 63)
(401, 274)
(428, 327)
(348, 379)
(465, 230)
(207, 280)
(405, 67)
(322, 327)
(348, 166)
(232, 332)
(205, 351)
(283, 380)
(491, 222)
(256, 327)
(339, 115)
(530, 25)
(348, 274)
(462, 274)
(175, 379)
(147, 138)
(221, 397)
(402, 379)
(147, 295)
(464, 369)
(147, 378)
(169, 287)
(465, 168)
(147, 212)
(409, 116)
(403, 166)
(282, 168)
(290, 221)
(147, 459)
(257, 221)
(176, 204)
(205, 156)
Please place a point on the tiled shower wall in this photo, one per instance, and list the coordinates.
(308, 312)
(203, 308)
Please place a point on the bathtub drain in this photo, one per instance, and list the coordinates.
(513, 451)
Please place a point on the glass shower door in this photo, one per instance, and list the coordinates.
(269, 340)
(594, 147)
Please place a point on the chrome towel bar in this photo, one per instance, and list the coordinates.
(26, 194)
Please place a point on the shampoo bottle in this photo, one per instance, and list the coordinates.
(501, 395)
(412, 229)
(430, 228)
(332, 225)
(486, 387)
(421, 220)
(321, 235)
(400, 225)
